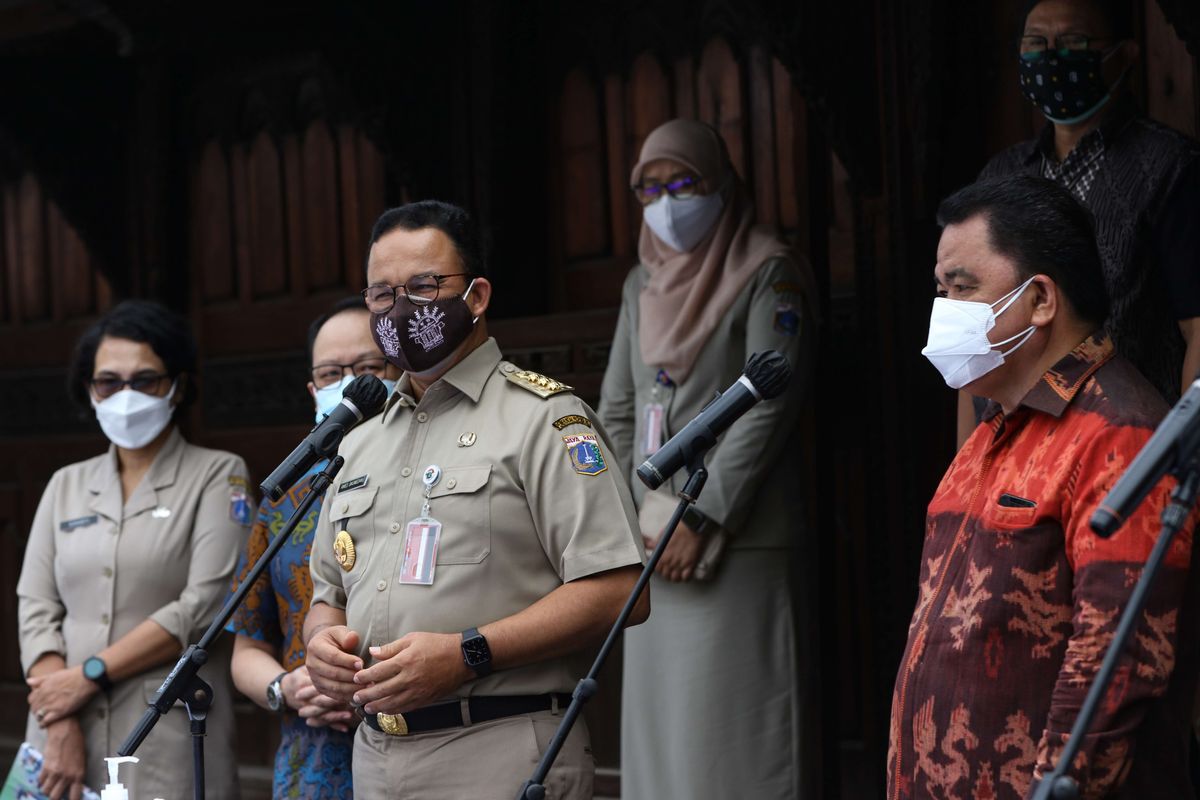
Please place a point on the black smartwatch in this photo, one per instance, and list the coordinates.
(96, 671)
(695, 519)
(476, 653)
(275, 699)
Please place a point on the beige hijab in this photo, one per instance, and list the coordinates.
(687, 294)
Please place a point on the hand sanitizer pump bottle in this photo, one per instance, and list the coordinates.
(114, 790)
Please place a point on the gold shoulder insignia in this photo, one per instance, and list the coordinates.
(531, 381)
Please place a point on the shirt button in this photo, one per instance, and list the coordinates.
(104, 618)
(450, 484)
(395, 526)
(100, 713)
(404, 473)
(422, 416)
(345, 507)
(108, 572)
(507, 368)
(381, 585)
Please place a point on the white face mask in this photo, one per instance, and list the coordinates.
(133, 419)
(681, 223)
(958, 343)
(329, 396)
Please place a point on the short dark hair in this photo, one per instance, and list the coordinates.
(1118, 13)
(1043, 229)
(355, 303)
(167, 333)
(448, 218)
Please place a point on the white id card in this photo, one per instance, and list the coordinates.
(420, 551)
(652, 425)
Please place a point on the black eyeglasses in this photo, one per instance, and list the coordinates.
(147, 383)
(420, 290)
(328, 374)
(683, 186)
(1036, 47)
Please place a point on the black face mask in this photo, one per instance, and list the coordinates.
(417, 338)
(1067, 89)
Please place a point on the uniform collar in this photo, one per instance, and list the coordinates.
(1062, 382)
(468, 376)
(104, 481)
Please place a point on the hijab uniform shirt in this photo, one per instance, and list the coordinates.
(711, 706)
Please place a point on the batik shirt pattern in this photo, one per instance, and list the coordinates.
(1018, 598)
(311, 762)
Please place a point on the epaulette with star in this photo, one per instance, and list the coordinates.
(534, 382)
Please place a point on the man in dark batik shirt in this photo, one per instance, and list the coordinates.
(1018, 599)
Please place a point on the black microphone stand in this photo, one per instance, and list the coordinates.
(184, 683)
(1058, 785)
(533, 789)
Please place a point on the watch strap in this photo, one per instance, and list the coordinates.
(471, 639)
(275, 689)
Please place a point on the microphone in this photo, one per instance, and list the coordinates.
(363, 398)
(1172, 444)
(765, 377)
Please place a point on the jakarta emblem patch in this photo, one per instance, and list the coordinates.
(585, 453)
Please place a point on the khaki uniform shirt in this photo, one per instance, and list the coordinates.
(95, 570)
(754, 471)
(520, 514)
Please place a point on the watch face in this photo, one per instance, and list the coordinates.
(93, 669)
(476, 651)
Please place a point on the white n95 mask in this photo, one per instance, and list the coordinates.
(132, 419)
(682, 222)
(958, 343)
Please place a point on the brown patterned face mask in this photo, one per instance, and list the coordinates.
(417, 338)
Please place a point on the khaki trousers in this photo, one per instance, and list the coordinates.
(488, 761)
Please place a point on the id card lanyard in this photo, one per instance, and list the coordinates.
(654, 414)
(421, 537)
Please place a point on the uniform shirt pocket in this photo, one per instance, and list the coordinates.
(352, 513)
(462, 502)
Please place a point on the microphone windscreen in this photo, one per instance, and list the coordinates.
(769, 372)
(367, 393)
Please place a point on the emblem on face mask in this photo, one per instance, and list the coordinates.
(425, 328)
(388, 340)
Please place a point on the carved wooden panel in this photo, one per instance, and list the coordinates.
(719, 98)
(211, 234)
(585, 232)
(32, 279)
(1170, 74)
(649, 101)
(264, 190)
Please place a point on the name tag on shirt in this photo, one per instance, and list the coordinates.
(78, 522)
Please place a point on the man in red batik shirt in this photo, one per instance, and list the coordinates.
(1018, 598)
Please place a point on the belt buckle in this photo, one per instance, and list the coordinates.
(392, 724)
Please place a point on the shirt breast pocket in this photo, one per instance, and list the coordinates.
(1010, 519)
(352, 513)
(462, 502)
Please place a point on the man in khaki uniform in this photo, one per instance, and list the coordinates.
(474, 539)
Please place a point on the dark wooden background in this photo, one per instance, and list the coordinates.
(229, 159)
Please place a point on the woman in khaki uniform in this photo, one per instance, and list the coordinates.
(127, 562)
(717, 694)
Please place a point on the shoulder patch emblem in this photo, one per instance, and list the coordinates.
(787, 319)
(538, 384)
(584, 451)
(239, 506)
(571, 419)
(238, 480)
(787, 287)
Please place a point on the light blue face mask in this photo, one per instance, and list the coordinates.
(329, 396)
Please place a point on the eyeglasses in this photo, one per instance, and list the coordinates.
(1036, 47)
(420, 290)
(649, 191)
(328, 374)
(108, 385)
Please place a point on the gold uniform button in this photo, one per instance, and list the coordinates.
(381, 585)
(422, 417)
(394, 527)
(404, 473)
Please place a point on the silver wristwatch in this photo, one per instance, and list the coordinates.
(275, 698)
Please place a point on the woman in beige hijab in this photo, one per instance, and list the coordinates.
(717, 695)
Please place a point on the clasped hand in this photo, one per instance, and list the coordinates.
(414, 671)
(59, 694)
